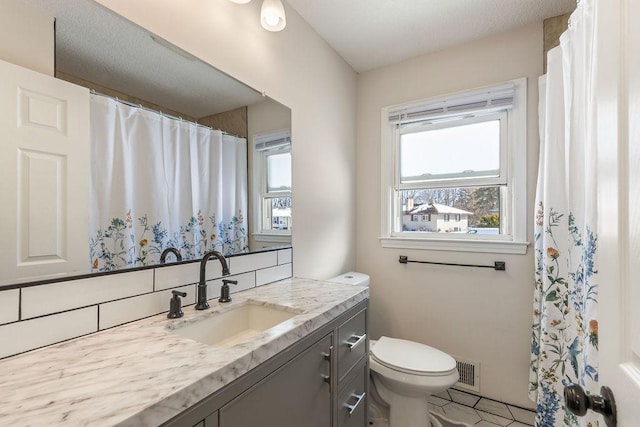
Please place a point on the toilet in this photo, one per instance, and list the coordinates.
(405, 373)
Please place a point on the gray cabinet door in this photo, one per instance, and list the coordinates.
(295, 395)
(211, 420)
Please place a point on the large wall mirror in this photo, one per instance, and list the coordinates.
(124, 63)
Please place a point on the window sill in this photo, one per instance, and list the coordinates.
(277, 238)
(488, 246)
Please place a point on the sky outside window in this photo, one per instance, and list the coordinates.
(279, 172)
(451, 152)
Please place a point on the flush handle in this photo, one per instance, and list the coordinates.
(359, 398)
(579, 402)
(359, 339)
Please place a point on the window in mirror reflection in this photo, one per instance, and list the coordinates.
(272, 175)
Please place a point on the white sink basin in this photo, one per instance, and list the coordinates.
(237, 325)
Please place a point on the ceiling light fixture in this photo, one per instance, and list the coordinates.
(240, 1)
(272, 15)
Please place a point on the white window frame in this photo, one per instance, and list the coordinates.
(514, 197)
(260, 189)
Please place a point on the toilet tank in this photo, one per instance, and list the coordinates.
(351, 278)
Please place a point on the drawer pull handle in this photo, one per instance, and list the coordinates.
(352, 408)
(359, 340)
(327, 357)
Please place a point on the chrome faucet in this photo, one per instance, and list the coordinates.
(202, 303)
(163, 255)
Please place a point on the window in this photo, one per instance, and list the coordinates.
(272, 183)
(461, 157)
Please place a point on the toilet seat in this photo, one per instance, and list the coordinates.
(411, 357)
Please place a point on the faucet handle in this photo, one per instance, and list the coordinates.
(224, 290)
(175, 305)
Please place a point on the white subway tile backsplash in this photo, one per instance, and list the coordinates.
(177, 275)
(245, 263)
(27, 335)
(285, 256)
(120, 298)
(273, 274)
(129, 309)
(56, 297)
(9, 305)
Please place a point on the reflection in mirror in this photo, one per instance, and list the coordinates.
(272, 181)
(143, 75)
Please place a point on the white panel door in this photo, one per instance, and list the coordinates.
(618, 100)
(44, 175)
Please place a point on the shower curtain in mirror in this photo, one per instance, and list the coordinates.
(160, 182)
(565, 319)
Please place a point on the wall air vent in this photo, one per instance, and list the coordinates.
(469, 375)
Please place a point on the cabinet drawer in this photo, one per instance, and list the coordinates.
(352, 399)
(352, 343)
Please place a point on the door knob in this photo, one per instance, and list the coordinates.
(579, 402)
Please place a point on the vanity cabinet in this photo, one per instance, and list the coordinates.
(319, 381)
(297, 394)
(210, 421)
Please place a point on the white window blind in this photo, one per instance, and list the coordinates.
(497, 98)
(273, 141)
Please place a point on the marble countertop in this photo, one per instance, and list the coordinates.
(142, 374)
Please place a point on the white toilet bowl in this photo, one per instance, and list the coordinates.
(405, 373)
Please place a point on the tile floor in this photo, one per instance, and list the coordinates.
(475, 411)
(479, 411)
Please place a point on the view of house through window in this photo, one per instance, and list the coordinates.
(442, 169)
(472, 210)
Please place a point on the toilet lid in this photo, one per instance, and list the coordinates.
(409, 356)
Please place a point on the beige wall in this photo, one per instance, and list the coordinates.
(476, 314)
(26, 42)
(297, 68)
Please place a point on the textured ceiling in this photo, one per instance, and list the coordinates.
(97, 45)
(372, 33)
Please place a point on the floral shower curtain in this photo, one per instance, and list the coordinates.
(159, 182)
(565, 327)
